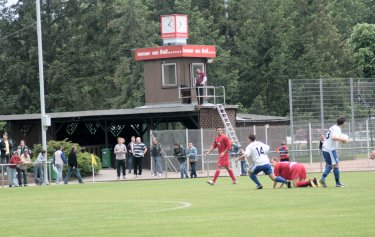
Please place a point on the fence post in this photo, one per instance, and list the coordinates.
(352, 108)
(255, 129)
(291, 117)
(151, 137)
(202, 153)
(2, 176)
(367, 139)
(310, 144)
(187, 142)
(266, 132)
(321, 103)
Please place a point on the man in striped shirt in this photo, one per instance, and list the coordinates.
(139, 151)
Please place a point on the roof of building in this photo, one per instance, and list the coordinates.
(146, 110)
(255, 118)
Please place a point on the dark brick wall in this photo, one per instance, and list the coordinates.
(210, 118)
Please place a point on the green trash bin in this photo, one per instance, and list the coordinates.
(106, 157)
(50, 169)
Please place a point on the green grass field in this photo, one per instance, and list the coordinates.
(190, 208)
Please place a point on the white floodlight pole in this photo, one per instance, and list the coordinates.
(41, 85)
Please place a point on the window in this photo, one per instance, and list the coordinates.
(194, 67)
(169, 75)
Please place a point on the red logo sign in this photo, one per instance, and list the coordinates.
(176, 51)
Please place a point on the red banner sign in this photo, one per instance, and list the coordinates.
(176, 51)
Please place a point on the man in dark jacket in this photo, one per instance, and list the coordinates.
(180, 154)
(6, 148)
(73, 166)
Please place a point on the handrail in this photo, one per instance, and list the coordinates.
(43, 163)
(206, 93)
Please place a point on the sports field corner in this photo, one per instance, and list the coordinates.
(190, 207)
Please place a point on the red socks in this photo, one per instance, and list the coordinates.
(232, 175)
(217, 173)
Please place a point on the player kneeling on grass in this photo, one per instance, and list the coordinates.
(260, 162)
(329, 152)
(292, 171)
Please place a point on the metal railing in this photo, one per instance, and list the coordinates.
(4, 168)
(216, 94)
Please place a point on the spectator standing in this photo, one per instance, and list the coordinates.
(234, 152)
(120, 151)
(200, 82)
(12, 170)
(140, 150)
(22, 167)
(156, 157)
(283, 151)
(38, 167)
(192, 154)
(59, 160)
(22, 146)
(180, 154)
(131, 154)
(73, 166)
(5, 148)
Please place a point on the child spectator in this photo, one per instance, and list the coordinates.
(191, 153)
(12, 170)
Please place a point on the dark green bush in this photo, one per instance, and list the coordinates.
(83, 158)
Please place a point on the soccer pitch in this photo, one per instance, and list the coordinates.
(191, 208)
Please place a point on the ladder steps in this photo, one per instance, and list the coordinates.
(227, 123)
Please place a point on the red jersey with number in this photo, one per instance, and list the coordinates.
(223, 144)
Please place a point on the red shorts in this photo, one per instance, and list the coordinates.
(223, 161)
(298, 171)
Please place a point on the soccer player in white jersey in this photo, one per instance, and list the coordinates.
(257, 151)
(330, 154)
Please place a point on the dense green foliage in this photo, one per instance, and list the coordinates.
(83, 158)
(162, 207)
(88, 49)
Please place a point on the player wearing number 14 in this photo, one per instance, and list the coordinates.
(260, 162)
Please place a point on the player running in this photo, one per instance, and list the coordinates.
(330, 154)
(223, 144)
(260, 162)
(293, 171)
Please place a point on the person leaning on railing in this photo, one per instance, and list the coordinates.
(22, 167)
(38, 168)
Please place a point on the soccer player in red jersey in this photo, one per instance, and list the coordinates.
(292, 171)
(223, 144)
